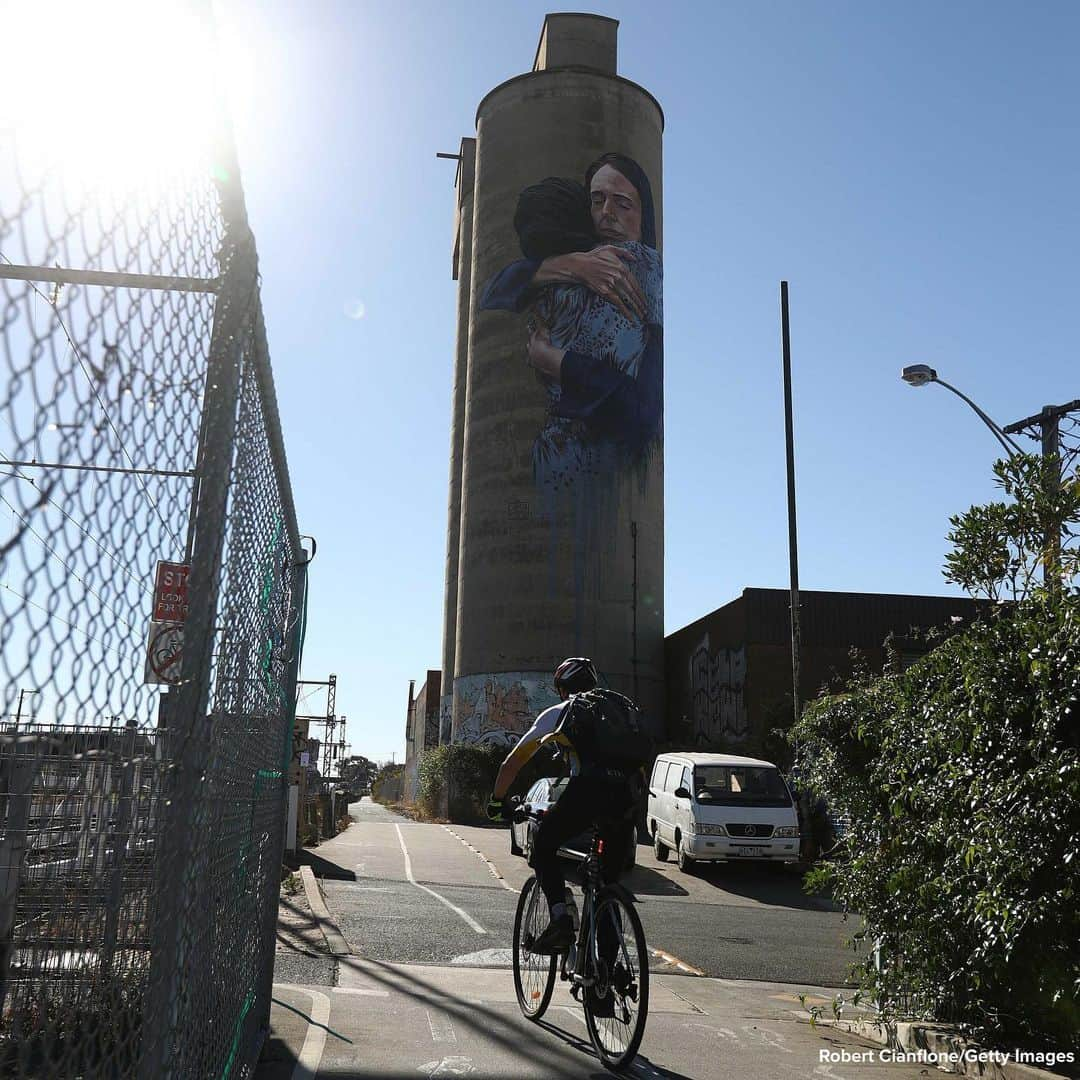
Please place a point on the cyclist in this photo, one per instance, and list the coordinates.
(599, 795)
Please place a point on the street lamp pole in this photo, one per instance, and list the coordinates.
(921, 374)
(1048, 423)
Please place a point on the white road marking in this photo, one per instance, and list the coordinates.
(719, 1032)
(442, 899)
(360, 990)
(827, 1071)
(442, 1030)
(449, 1066)
(576, 1013)
(765, 1035)
(480, 855)
(307, 1064)
(486, 958)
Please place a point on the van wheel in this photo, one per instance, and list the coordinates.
(660, 849)
(686, 864)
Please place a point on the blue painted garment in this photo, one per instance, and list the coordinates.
(608, 408)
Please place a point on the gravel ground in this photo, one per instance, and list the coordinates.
(301, 955)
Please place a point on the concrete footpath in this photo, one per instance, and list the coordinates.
(405, 1020)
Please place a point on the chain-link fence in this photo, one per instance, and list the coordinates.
(151, 591)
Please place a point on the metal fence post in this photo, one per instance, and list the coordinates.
(182, 842)
(266, 982)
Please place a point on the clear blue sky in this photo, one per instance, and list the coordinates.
(911, 169)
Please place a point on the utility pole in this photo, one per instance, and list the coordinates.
(22, 694)
(793, 541)
(1046, 426)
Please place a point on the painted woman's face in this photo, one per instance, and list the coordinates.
(616, 206)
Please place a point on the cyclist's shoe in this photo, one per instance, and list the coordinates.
(556, 938)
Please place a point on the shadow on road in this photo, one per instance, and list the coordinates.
(774, 885)
(641, 1065)
(324, 868)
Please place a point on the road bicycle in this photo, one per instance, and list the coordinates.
(607, 965)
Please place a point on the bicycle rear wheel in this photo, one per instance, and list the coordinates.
(534, 974)
(617, 1005)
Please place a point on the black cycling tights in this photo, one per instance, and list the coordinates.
(586, 801)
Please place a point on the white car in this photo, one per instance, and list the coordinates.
(721, 807)
(539, 800)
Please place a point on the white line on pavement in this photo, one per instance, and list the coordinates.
(442, 1030)
(442, 899)
(576, 1013)
(494, 870)
(360, 990)
(307, 1064)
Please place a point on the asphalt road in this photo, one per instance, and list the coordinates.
(404, 892)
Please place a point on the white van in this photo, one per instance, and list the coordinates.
(712, 807)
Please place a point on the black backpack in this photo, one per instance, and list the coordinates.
(607, 730)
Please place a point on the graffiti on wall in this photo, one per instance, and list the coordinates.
(499, 709)
(446, 714)
(717, 706)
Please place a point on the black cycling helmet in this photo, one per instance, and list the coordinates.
(575, 674)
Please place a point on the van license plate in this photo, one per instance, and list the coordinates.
(749, 852)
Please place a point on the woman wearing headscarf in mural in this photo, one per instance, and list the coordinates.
(592, 282)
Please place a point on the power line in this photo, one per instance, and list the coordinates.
(64, 564)
(78, 629)
(86, 532)
(77, 352)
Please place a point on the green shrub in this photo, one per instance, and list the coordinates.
(962, 780)
(464, 772)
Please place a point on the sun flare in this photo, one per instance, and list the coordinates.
(113, 94)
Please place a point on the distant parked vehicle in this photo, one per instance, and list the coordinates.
(720, 807)
(541, 797)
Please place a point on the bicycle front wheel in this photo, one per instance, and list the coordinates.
(534, 974)
(617, 1004)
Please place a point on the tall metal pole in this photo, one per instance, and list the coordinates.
(1051, 452)
(793, 541)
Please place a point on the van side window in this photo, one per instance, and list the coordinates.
(673, 777)
(686, 782)
(658, 775)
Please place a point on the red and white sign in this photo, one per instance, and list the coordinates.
(164, 651)
(171, 592)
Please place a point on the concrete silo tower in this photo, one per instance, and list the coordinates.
(555, 538)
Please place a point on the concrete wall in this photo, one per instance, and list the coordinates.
(540, 580)
(461, 268)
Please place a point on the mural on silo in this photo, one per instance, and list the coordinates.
(590, 288)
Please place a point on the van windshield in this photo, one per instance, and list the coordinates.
(740, 785)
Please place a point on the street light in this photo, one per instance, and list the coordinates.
(921, 374)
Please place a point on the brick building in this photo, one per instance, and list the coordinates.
(729, 672)
(421, 726)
